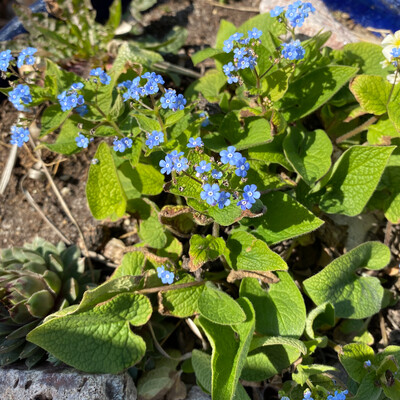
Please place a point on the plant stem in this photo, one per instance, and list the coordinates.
(192, 177)
(215, 229)
(394, 83)
(155, 108)
(357, 130)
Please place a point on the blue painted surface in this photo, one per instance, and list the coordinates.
(381, 14)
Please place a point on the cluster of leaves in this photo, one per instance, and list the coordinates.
(287, 118)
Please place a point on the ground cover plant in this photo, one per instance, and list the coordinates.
(265, 149)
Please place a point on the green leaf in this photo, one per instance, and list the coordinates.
(115, 17)
(309, 153)
(368, 388)
(262, 341)
(353, 296)
(286, 314)
(302, 98)
(230, 346)
(323, 314)
(103, 190)
(208, 85)
(353, 357)
(383, 129)
(372, 92)
(304, 372)
(226, 216)
(204, 249)
(156, 383)
(132, 264)
(182, 303)
(354, 178)
(276, 85)
(219, 308)
(65, 142)
(251, 254)
(51, 119)
(394, 115)
(265, 23)
(147, 124)
(226, 29)
(152, 232)
(366, 56)
(257, 131)
(98, 340)
(268, 361)
(285, 219)
(202, 55)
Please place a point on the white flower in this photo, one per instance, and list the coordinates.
(391, 78)
(389, 43)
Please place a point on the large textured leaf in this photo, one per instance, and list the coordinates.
(286, 314)
(309, 153)
(204, 249)
(65, 142)
(354, 178)
(285, 218)
(353, 358)
(103, 190)
(132, 264)
(219, 308)
(353, 296)
(230, 346)
(252, 254)
(313, 90)
(98, 340)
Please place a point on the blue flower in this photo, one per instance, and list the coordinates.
(223, 199)
(230, 156)
(242, 167)
(68, 102)
(240, 52)
(19, 135)
(216, 174)
(180, 103)
(77, 86)
(228, 46)
(338, 396)
(82, 141)
(367, 363)
(228, 68)
(396, 52)
(151, 87)
(175, 155)
(203, 167)
(297, 12)
(236, 36)
(278, 10)
(19, 96)
(104, 78)
(307, 395)
(5, 58)
(285, 398)
(210, 193)
(167, 165)
(293, 50)
(254, 33)
(181, 164)
(82, 110)
(127, 142)
(155, 139)
(251, 193)
(165, 275)
(25, 57)
(118, 145)
(232, 79)
(193, 143)
(160, 271)
(169, 98)
(244, 204)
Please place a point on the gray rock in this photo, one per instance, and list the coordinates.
(56, 383)
(322, 19)
(195, 393)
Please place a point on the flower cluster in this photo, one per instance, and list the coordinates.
(19, 96)
(26, 57)
(154, 139)
(103, 77)
(173, 101)
(122, 144)
(71, 98)
(170, 100)
(165, 275)
(174, 161)
(336, 396)
(5, 58)
(19, 135)
(296, 13)
(293, 50)
(244, 55)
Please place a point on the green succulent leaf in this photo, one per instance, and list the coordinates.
(98, 340)
(352, 296)
(103, 190)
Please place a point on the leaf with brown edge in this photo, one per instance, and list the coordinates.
(264, 276)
